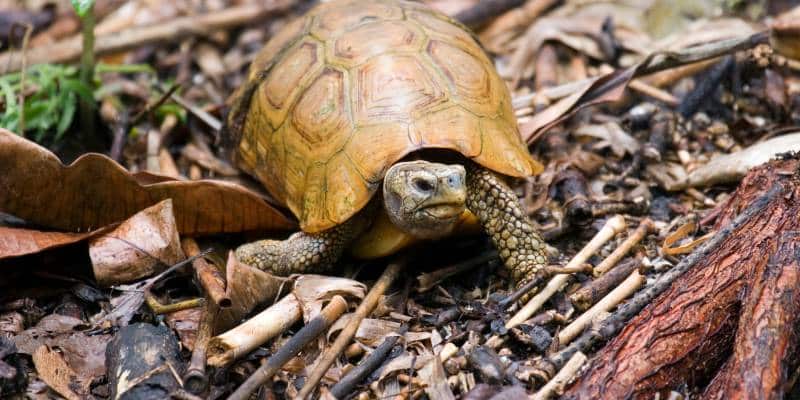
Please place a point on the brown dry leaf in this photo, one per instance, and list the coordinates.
(54, 371)
(405, 361)
(435, 379)
(784, 34)
(671, 176)
(83, 353)
(94, 191)
(185, 324)
(606, 88)
(15, 242)
(371, 332)
(577, 25)
(11, 324)
(613, 136)
(247, 287)
(313, 290)
(145, 244)
(205, 159)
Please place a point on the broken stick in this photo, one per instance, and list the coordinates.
(69, 50)
(313, 329)
(613, 226)
(609, 327)
(364, 309)
(208, 275)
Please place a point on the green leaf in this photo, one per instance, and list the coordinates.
(82, 7)
(66, 116)
(10, 97)
(77, 87)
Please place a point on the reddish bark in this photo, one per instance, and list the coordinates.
(687, 332)
(767, 333)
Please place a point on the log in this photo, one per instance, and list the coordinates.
(142, 362)
(687, 333)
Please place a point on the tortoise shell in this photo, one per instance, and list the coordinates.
(339, 95)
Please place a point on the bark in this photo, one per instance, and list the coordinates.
(686, 334)
(767, 332)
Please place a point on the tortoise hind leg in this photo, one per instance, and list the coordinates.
(302, 252)
(521, 247)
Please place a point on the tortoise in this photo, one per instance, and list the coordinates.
(358, 97)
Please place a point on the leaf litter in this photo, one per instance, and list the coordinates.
(726, 75)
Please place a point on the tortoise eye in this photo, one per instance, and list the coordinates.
(423, 185)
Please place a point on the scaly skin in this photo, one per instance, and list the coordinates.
(521, 247)
(492, 201)
(303, 252)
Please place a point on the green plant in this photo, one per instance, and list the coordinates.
(84, 9)
(51, 95)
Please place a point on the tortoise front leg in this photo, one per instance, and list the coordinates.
(302, 252)
(521, 247)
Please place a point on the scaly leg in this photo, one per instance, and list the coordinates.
(521, 248)
(303, 252)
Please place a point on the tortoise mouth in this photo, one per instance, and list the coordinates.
(444, 211)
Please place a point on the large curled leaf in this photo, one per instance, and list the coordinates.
(94, 191)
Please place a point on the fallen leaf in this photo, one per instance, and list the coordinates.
(611, 87)
(372, 332)
(613, 135)
(606, 88)
(313, 290)
(671, 176)
(94, 191)
(144, 244)
(785, 34)
(405, 361)
(15, 242)
(54, 371)
(84, 353)
(185, 324)
(435, 380)
(248, 287)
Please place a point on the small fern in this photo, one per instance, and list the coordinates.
(51, 99)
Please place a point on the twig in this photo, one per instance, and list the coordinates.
(643, 229)
(610, 326)
(173, 30)
(207, 118)
(428, 280)
(24, 50)
(195, 379)
(621, 292)
(182, 394)
(365, 308)
(613, 226)
(314, 328)
(369, 364)
(538, 279)
(150, 107)
(584, 297)
(208, 275)
(237, 342)
(159, 309)
(561, 379)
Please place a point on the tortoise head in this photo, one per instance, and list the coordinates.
(423, 198)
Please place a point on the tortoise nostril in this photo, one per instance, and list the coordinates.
(423, 185)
